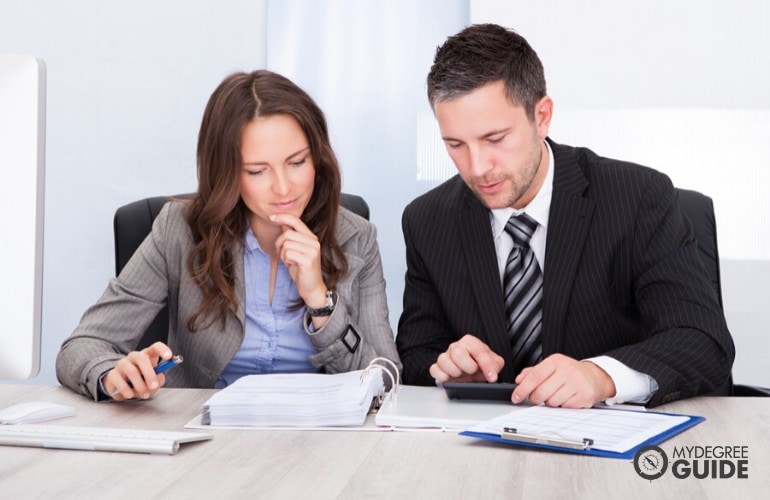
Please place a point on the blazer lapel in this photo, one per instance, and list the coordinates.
(240, 286)
(479, 252)
(568, 223)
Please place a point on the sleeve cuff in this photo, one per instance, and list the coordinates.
(631, 386)
(103, 395)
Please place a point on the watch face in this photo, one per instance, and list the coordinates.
(650, 462)
(331, 299)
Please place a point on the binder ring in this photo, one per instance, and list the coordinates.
(394, 381)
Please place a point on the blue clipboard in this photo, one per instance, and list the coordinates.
(585, 448)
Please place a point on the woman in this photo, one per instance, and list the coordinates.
(262, 270)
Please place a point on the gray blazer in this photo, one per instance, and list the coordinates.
(158, 273)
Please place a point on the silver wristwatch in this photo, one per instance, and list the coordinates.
(328, 307)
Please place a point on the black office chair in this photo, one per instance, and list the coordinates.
(699, 209)
(133, 222)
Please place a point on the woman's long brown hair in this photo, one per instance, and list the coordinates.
(217, 215)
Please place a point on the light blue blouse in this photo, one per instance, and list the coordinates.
(275, 340)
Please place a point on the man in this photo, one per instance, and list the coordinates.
(573, 275)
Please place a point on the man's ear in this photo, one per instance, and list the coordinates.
(543, 114)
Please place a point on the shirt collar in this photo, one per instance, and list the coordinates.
(538, 208)
(250, 241)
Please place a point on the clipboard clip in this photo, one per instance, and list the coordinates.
(511, 434)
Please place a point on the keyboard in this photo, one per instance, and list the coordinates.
(97, 438)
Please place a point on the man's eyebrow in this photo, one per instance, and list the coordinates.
(484, 136)
(495, 132)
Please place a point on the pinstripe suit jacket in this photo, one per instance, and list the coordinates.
(158, 273)
(622, 278)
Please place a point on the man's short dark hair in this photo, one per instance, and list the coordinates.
(482, 54)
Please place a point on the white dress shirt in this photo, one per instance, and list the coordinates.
(630, 385)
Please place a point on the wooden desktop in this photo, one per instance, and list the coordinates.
(359, 464)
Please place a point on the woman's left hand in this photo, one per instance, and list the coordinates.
(299, 249)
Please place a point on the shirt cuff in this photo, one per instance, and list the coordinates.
(631, 386)
(103, 394)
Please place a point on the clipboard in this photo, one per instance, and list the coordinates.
(585, 445)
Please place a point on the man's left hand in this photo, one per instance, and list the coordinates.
(559, 380)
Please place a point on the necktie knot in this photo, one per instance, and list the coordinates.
(521, 227)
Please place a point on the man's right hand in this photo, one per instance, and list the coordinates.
(467, 360)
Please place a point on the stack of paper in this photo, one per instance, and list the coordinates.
(295, 400)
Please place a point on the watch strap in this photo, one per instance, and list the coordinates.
(328, 308)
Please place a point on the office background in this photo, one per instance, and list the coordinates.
(681, 87)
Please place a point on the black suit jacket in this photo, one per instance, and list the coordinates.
(622, 278)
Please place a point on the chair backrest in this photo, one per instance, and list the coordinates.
(699, 209)
(132, 223)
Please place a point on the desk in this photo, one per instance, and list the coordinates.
(348, 464)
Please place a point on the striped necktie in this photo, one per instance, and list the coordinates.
(523, 294)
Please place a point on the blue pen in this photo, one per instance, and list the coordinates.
(160, 368)
(168, 364)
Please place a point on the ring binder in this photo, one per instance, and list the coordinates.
(296, 400)
(510, 434)
(395, 382)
